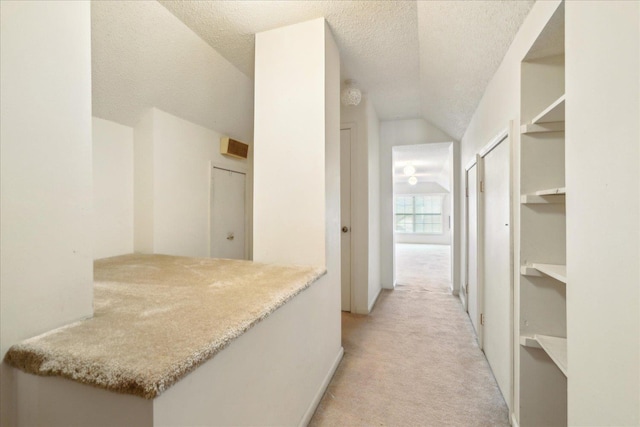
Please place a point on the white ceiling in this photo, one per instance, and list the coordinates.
(429, 160)
(428, 59)
(142, 57)
(462, 43)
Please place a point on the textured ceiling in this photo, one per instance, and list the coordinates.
(428, 59)
(428, 159)
(142, 57)
(461, 46)
(378, 40)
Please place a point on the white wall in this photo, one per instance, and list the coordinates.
(112, 188)
(297, 112)
(173, 159)
(394, 133)
(602, 176)
(45, 182)
(289, 198)
(143, 57)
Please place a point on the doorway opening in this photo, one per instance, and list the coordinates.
(422, 211)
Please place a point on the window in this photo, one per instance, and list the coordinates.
(419, 214)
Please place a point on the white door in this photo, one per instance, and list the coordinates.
(345, 215)
(227, 214)
(496, 339)
(473, 302)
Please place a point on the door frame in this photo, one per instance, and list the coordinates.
(507, 136)
(509, 133)
(233, 169)
(352, 127)
(477, 163)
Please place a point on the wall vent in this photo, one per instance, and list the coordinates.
(233, 148)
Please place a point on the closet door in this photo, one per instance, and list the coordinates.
(227, 214)
(496, 269)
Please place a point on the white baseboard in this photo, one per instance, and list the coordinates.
(463, 300)
(323, 387)
(514, 422)
(373, 303)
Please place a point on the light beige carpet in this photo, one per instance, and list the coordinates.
(413, 361)
(428, 266)
(157, 318)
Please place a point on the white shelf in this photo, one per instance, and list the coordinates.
(551, 191)
(542, 127)
(556, 271)
(551, 195)
(553, 113)
(555, 347)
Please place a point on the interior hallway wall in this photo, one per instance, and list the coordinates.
(297, 118)
(500, 103)
(46, 241)
(365, 234)
(394, 133)
(112, 188)
(603, 178)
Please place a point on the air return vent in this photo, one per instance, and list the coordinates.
(233, 148)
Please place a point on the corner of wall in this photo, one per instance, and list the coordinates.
(143, 161)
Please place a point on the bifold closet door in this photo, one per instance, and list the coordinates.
(496, 269)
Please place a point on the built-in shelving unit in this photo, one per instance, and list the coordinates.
(542, 127)
(558, 272)
(541, 286)
(555, 347)
(553, 113)
(552, 195)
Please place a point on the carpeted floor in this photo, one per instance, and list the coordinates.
(413, 361)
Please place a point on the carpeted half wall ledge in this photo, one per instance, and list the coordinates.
(159, 317)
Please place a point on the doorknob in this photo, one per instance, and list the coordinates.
(345, 229)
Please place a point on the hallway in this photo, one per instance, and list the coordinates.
(414, 360)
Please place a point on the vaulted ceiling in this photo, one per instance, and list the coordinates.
(424, 59)
(430, 59)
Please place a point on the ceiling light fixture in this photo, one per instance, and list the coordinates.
(351, 95)
(413, 180)
(409, 170)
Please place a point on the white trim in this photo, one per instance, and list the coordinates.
(504, 134)
(320, 393)
(471, 164)
(514, 421)
(375, 300)
(463, 299)
(480, 248)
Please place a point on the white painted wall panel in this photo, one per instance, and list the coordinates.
(45, 173)
(602, 176)
(173, 159)
(289, 199)
(112, 189)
